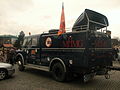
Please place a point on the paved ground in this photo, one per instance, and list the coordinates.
(32, 79)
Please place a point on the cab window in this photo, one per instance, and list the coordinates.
(24, 42)
(34, 41)
(27, 42)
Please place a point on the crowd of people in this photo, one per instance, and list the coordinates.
(7, 55)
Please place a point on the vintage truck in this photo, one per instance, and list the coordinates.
(85, 51)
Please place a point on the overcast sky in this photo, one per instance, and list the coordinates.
(37, 16)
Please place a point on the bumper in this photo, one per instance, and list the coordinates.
(11, 72)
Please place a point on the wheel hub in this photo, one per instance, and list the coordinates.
(19, 62)
(2, 74)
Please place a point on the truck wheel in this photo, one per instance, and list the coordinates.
(20, 65)
(58, 72)
(3, 74)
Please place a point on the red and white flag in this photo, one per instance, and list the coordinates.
(62, 22)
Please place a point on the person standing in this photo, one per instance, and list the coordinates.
(12, 56)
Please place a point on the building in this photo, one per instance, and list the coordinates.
(7, 39)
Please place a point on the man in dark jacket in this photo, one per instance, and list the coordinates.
(12, 56)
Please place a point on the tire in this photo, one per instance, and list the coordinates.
(58, 72)
(20, 65)
(3, 74)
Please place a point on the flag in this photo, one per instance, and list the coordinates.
(62, 22)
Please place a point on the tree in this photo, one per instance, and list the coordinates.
(20, 39)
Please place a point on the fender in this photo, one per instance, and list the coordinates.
(58, 59)
(19, 54)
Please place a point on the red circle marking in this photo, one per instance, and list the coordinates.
(48, 42)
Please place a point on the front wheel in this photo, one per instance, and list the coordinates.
(3, 74)
(58, 72)
(20, 65)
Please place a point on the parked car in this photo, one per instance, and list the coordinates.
(6, 70)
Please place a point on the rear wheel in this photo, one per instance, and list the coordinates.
(20, 65)
(58, 72)
(3, 74)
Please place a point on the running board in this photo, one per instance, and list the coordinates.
(44, 68)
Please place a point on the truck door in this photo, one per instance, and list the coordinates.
(34, 51)
(26, 47)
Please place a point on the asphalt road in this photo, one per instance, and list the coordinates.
(32, 79)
